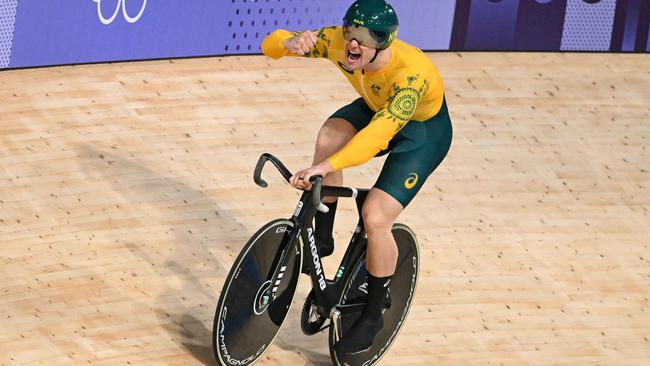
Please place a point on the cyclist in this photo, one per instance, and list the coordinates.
(402, 111)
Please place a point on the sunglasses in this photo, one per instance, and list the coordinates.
(365, 37)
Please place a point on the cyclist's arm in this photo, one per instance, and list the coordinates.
(273, 44)
(403, 99)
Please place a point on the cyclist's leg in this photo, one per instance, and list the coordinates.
(333, 135)
(407, 167)
(379, 213)
(336, 133)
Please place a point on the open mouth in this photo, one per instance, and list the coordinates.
(353, 56)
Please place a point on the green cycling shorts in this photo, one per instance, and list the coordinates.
(414, 153)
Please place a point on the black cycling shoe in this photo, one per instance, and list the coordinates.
(323, 251)
(360, 336)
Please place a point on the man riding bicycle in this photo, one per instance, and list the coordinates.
(401, 112)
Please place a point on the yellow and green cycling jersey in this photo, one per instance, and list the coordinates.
(408, 88)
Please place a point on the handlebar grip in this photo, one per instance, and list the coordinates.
(317, 182)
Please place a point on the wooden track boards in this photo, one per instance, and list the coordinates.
(126, 193)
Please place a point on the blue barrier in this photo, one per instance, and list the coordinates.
(38, 33)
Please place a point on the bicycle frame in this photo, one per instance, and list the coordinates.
(326, 292)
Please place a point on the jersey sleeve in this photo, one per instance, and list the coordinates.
(273, 45)
(400, 105)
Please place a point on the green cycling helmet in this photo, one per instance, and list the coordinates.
(373, 23)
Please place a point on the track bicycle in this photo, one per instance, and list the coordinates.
(261, 284)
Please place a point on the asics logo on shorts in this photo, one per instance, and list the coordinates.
(411, 181)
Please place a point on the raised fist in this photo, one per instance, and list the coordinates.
(301, 43)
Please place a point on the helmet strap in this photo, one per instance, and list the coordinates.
(375, 56)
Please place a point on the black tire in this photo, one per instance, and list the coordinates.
(245, 323)
(402, 289)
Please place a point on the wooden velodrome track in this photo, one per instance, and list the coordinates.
(126, 193)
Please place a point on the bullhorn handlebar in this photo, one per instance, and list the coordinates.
(317, 181)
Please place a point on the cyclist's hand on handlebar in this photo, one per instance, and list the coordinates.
(301, 43)
(300, 180)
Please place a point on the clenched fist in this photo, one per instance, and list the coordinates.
(301, 43)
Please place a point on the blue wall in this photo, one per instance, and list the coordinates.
(53, 32)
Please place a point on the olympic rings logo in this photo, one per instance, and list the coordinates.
(127, 17)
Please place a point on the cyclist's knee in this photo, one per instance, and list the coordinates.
(333, 135)
(380, 212)
(375, 221)
(324, 144)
